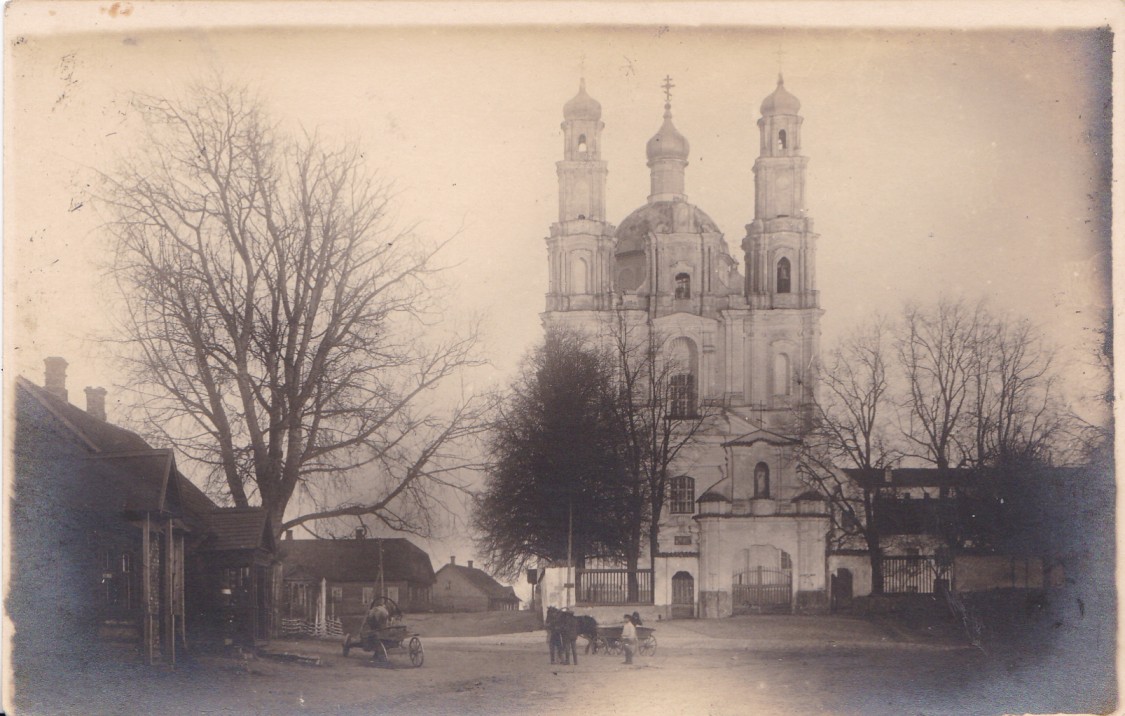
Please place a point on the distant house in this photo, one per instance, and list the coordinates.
(106, 535)
(960, 527)
(353, 573)
(468, 589)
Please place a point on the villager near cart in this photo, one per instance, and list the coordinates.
(391, 636)
(608, 640)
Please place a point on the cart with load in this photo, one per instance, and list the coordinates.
(381, 638)
(608, 640)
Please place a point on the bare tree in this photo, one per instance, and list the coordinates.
(939, 350)
(659, 415)
(845, 449)
(275, 317)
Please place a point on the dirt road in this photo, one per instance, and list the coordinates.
(760, 665)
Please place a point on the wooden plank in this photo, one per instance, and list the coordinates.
(170, 590)
(146, 587)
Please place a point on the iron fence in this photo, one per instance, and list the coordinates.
(911, 575)
(613, 586)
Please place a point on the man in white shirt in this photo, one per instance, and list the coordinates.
(628, 638)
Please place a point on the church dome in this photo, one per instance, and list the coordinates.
(668, 142)
(582, 106)
(780, 101)
(661, 217)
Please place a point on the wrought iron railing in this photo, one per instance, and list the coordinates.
(911, 575)
(613, 586)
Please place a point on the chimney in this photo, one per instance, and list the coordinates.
(95, 402)
(55, 379)
(288, 534)
(453, 560)
(360, 533)
(470, 564)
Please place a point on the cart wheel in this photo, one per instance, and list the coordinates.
(613, 648)
(379, 653)
(648, 646)
(601, 646)
(347, 643)
(417, 656)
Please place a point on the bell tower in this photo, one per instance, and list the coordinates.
(580, 247)
(780, 252)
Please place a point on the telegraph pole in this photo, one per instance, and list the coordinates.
(569, 549)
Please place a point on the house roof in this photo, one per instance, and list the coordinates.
(483, 582)
(233, 528)
(355, 560)
(99, 435)
(123, 472)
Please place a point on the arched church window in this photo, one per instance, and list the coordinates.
(781, 378)
(761, 480)
(582, 143)
(682, 396)
(683, 285)
(783, 275)
(782, 141)
(578, 275)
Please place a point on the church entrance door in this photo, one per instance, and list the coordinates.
(683, 596)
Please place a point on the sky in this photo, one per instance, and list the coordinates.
(966, 163)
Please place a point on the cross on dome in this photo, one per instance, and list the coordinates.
(668, 89)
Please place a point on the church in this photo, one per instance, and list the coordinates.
(740, 532)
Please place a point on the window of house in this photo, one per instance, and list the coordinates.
(582, 142)
(761, 480)
(368, 595)
(683, 285)
(682, 394)
(786, 561)
(337, 592)
(783, 275)
(683, 495)
(781, 140)
(683, 540)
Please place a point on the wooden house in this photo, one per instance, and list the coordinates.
(351, 573)
(468, 589)
(105, 535)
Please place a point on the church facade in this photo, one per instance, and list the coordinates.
(740, 533)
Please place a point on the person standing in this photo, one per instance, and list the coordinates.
(629, 638)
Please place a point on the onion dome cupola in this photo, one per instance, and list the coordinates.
(582, 106)
(781, 101)
(780, 124)
(667, 153)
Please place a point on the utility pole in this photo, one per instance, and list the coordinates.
(382, 585)
(569, 550)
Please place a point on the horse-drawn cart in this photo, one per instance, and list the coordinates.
(608, 640)
(378, 639)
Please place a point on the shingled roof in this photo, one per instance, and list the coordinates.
(355, 560)
(235, 528)
(483, 582)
